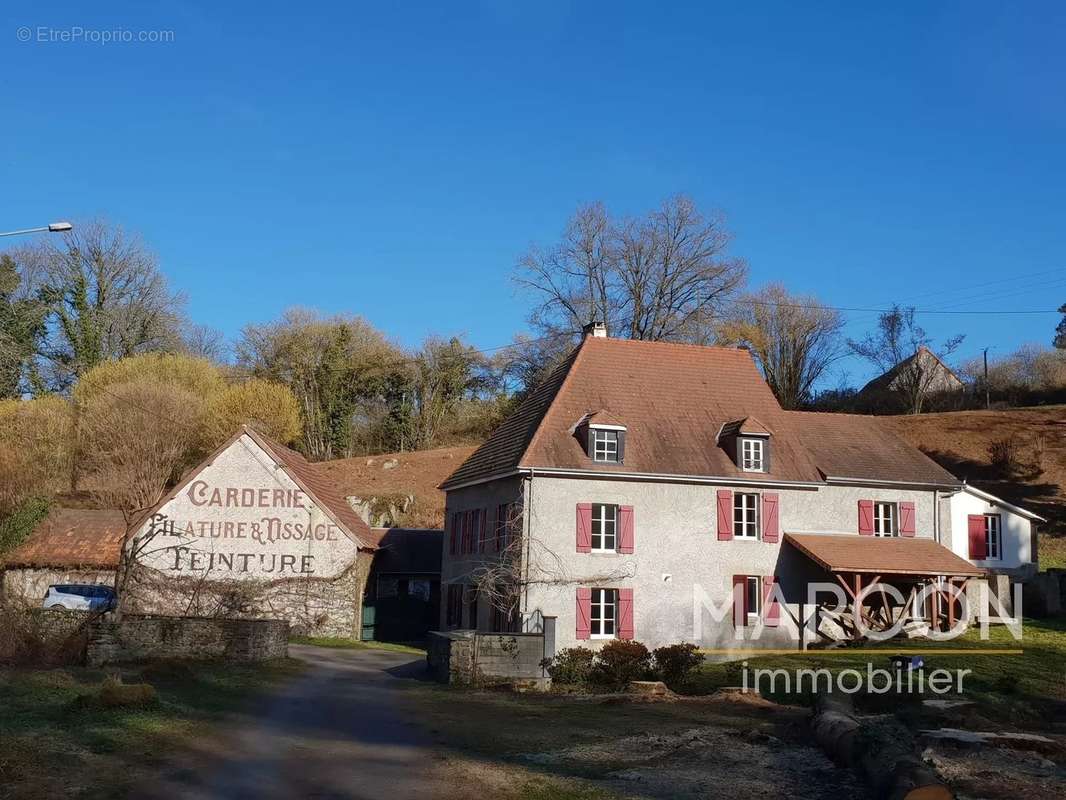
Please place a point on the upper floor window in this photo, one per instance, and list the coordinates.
(745, 515)
(604, 526)
(885, 519)
(753, 455)
(992, 538)
(604, 445)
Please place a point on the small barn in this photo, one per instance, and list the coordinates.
(402, 602)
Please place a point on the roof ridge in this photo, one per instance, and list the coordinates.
(723, 348)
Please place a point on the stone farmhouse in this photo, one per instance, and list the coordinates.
(643, 485)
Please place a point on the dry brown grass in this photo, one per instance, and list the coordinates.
(963, 441)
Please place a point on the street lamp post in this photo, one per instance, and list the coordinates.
(52, 227)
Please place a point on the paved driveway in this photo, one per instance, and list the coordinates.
(338, 731)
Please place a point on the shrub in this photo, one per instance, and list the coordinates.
(116, 694)
(621, 661)
(268, 407)
(1003, 453)
(674, 662)
(33, 637)
(35, 449)
(16, 526)
(571, 665)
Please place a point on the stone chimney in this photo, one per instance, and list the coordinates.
(595, 329)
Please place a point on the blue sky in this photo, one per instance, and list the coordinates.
(394, 159)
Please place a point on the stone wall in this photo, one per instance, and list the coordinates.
(31, 584)
(466, 658)
(137, 638)
(312, 606)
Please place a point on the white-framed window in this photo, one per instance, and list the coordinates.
(753, 598)
(604, 527)
(885, 519)
(745, 515)
(604, 614)
(604, 445)
(753, 455)
(992, 536)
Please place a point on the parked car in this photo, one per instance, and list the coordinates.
(80, 597)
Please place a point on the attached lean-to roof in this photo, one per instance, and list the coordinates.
(854, 446)
(72, 538)
(879, 555)
(676, 401)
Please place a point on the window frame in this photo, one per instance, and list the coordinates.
(892, 518)
(610, 436)
(754, 443)
(753, 611)
(741, 523)
(991, 539)
(601, 621)
(601, 519)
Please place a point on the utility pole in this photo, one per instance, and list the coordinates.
(988, 402)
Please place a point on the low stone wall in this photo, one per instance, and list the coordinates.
(30, 584)
(135, 638)
(468, 658)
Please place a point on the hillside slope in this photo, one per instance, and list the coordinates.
(406, 482)
(960, 442)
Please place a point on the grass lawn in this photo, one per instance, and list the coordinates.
(1037, 674)
(352, 644)
(58, 741)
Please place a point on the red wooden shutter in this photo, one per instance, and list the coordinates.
(625, 613)
(584, 613)
(771, 608)
(501, 520)
(625, 522)
(906, 519)
(468, 531)
(584, 527)
(453, 537)
(978, 544)
(866, 517)
(770, 524)
(725, 514)
(740, 595)
(483, 533)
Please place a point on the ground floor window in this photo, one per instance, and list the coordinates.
(604, 613)
(992, 536)
(454, 614)
(752, 598)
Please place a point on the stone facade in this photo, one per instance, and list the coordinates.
(136, 638)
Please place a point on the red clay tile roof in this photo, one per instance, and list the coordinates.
(863, 447)
(881, 555)
(504, 448)
(72, 538)
(674, 400)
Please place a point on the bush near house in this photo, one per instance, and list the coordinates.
(620, 661)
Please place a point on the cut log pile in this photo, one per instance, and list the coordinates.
(881, 751)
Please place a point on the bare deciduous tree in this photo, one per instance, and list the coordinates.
(794, 338)
(897, 338)
(664, 276)
(106, 297)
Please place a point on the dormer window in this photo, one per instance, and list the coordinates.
(753, 455)
(603, 437)
(747, 441)
(604, 445)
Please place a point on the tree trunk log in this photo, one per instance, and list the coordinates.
(883, 755)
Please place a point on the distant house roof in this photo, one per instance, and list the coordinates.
(944, 380)
(881, 555)
(415, 551)
(72, 538)
(675, 400)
